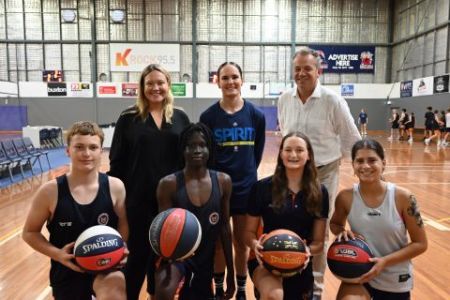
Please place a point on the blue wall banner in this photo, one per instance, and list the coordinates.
(346, 59)
(441, 84)
(347, 90)
(406, 88)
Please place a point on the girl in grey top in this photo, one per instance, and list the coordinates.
(384, 214)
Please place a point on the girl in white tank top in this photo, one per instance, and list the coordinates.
(384, 215)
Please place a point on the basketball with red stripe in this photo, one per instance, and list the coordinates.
(284, 252)
(175, 234)
(348, 260)
(98, 248)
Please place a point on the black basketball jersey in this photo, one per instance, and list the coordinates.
(209, 217)
(70, 219)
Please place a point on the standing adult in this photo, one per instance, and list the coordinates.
(239, 132)
(143, 150)
(325, 118)
(363, 119)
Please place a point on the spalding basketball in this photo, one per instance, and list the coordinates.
(284, 252)
(98, 248)
(348, 260)
(175, 234)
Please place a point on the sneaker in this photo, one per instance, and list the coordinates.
(410, 141)
(390, 138)
(427, 141)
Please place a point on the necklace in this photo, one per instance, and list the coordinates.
(372, 212)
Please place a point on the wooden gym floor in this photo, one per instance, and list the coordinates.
(423, 170)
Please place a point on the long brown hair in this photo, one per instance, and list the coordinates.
(309, 184)
(142, 102)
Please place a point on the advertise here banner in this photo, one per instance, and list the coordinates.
(346, 59)
(135, 57)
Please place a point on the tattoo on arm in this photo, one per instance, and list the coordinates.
(413, 210)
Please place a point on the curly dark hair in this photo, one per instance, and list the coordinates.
(187, 133)
(310, 184)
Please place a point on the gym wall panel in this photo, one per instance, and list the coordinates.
(442, 11)
(185, 20)
(15, 27)
(33, 29)
(3, 63)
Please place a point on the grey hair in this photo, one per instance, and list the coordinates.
(303, 51)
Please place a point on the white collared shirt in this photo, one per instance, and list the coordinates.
(325, 118)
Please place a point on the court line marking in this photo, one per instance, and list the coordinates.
(44, 294)
(443, 219)
(9, 236)
(432, 223)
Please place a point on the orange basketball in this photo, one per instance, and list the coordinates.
(284, 252)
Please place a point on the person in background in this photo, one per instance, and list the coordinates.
(72, 203)
(384, 215)
(434, 123)
(363, 119)
(292, 199)
(409, 125)
(447, 128)
(239, 128)
(143, 149)
(395, 124)
(325, 118)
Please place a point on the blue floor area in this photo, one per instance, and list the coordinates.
(57, 157)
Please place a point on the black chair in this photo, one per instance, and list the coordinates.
(44, 138)
(22, 151)
(55, 137)
(31, 150)
(6, 163)
(12, 155)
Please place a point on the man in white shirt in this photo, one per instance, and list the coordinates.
(325, 118)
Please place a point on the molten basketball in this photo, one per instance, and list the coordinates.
(175, 234)
(348, 260)
(98, 248)
(284, 252)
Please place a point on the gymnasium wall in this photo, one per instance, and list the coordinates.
(64, 111)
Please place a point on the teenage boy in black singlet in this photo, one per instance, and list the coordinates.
(72, 203)
(205, 193)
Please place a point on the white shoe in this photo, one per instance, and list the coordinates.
(390, 138)
(410, 141)
(427, 141)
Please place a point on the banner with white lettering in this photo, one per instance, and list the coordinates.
(135, 57)
(346, 59)
(406, 88)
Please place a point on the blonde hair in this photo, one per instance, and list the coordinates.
(142, 102)
(85, 128)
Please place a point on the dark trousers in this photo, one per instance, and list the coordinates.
(141, 260)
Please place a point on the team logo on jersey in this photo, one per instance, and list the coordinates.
(103, 219)
(214, 218)
(65, 224)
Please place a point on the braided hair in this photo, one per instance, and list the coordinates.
(188, 132)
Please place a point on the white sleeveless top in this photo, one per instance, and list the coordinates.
(385, 232)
